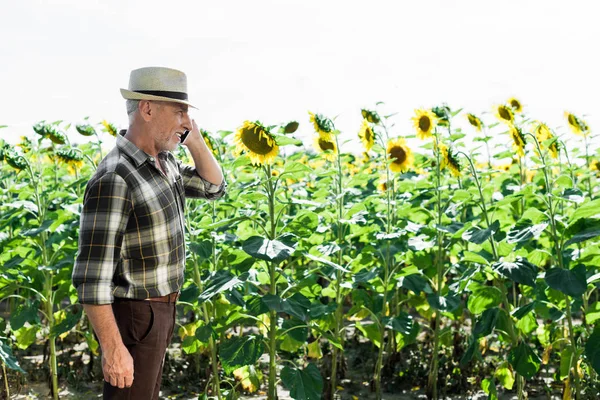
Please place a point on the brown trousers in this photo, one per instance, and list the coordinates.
(146, 328)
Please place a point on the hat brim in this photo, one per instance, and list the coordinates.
(129, 95)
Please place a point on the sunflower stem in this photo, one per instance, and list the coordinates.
(432, 384)
(559, 261)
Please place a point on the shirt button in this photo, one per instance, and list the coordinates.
(151, 159)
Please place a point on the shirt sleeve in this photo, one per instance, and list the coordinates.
(196, 186)
(106, 209)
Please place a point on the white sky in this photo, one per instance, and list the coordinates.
(275, 60)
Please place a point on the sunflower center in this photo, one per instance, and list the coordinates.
(326, 145)
(398, 153)
(255, 142)
(515, 104)
(504, 114)
(424, 123)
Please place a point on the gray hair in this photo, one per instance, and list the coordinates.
(132, 106)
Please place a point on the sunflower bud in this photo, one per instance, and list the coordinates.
(15, 160)
(85, 130)
(443, 114)
(291, 127)
(109, 128)
(370, 116)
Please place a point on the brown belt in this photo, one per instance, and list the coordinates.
(168, 298)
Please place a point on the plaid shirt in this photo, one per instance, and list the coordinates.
(131, 237)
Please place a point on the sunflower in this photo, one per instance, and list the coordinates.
(321, 123)
(449, 160)
(366, 135)
(254, 139)
(518, 140)
(110, 128)
(577, 125)
(383, 183)
(505, 114)
(209, 141)
(325, 143)
(25, 145)
(424, 122)
(515, 105)
(14, 159)
(475, 121)
(71, 157)
(542, 133)
(400, 155)
(443, 114)
(370, 116)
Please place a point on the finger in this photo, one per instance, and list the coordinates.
(113, 381)
(121, 381)
(128, 381)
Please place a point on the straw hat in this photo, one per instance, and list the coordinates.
(157, 83)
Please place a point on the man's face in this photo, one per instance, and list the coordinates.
(170, 121)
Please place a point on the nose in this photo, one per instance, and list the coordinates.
(187, 121)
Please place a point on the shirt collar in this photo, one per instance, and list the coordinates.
(138, 156)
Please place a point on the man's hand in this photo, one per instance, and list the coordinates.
(117, 363)
(194, 137)
(117, 366)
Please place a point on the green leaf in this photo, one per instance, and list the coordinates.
(415, 282)
(220, 281)
(324, 261)
(26, 336)
(27, 312)
(371, 332)
(268, 250)
(297, 305)
(304, 223)
(203, 249)
(589, 209)
(505, 376)
(297, 329)
(566, 362)
(283, 140)
(448, 303)
(477, 235)
(524, 360)
(256, 306)
(484, 298)
(36, 231)
(420, 242)
(527, 324)
(520, 271)
(592, 349)
(593, 313)
(489, 387)
(582, 230)
(8, 359)
(402, 323)
(68, 323)
(574, 195)
(190, 345)
(205, 332)
(303, 384)
(240, 351)
(522, 311)
(486, 323)
(524, 231)
(571, 282)
(190, 294)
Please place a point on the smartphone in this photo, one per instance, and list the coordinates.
(184, 136)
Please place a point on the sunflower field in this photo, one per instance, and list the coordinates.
(441, 262)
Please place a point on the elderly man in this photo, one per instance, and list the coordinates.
(131, 261)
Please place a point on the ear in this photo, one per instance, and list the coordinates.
(146, 110)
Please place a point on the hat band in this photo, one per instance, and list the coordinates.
(164, 93)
